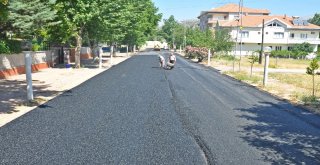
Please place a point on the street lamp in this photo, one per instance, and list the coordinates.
(267, 51)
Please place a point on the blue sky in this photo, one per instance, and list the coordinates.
(190, 9)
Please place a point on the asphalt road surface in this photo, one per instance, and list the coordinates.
(138, 113)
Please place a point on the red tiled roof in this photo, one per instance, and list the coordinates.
(234, 8)
(255, 21)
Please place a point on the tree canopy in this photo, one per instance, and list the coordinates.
(169, 29)
(30, 16)
(3, 17)
(187, 32)
(315, 19)
(65, 21)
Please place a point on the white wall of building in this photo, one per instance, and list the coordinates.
(253, 39)
(278, 36)
(152, 44)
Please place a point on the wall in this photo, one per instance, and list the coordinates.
(152, 44)
(255, 37)
(85, 53)
(14, 64)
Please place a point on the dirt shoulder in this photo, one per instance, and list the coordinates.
(47, 84)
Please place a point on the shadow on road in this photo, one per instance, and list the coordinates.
(284, 138)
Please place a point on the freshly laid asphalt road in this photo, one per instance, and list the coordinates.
(137, 113)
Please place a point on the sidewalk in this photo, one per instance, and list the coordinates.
(47, 84)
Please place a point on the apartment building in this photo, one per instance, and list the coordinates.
(281, 32)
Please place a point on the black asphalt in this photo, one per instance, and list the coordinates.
(137, 113)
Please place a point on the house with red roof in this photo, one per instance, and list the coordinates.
(281, 32)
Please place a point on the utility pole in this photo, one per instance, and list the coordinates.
(262, 42)
(236, 47)
(241, 13)
(185, 37)
(267, 51)
(209, 57)
(237, 36)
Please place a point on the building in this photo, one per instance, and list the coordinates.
(280, 32)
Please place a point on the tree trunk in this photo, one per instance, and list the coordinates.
(115, 49)
(91, 46)
(313, 85)
(111, 50)
(251, 70)
(78, 49)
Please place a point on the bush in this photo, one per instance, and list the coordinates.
(309, 99)
(35, 47)
(194, 52)
(226, 57)
(299, 54)
(318, 56)
(4, 48)
(243, 76)
(280, 53)
(14, 46)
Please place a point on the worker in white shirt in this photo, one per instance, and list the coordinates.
(172, 61)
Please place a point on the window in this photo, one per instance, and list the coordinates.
(290, 48)
(267, 33)
(259, 32)
(274, 24)
(313, 32)
(278, 47)
(278, 35)
(244, 34)
(303, 35)
(292, 35)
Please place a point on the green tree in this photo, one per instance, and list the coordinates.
(4, 2)
(31, 16)
(3, 17)
(253, 59)
(222, 41)
(198, 38)
(304, 47)
(157, 35)
(168, 29)
(311, 71)
(75, 16)
(179, 33)
(143, 21)
(315, 19)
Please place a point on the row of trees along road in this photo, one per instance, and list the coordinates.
(75, 22)
(188, 33)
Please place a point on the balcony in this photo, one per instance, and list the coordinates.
(250, 39)
(214, 20)
(302, 40)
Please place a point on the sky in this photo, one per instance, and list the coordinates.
(190, 9)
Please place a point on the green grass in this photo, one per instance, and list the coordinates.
(244, 76)
(308, 99)
(297, 80)
(280, 63)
